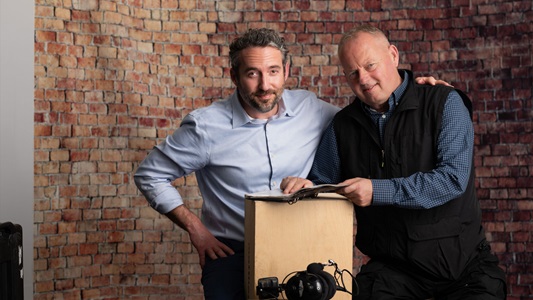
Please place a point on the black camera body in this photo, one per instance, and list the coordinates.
(268, 288)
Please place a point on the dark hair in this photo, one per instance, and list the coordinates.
(259, 37)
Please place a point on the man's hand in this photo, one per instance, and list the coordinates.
(431, 81)
(203, 241)
(359, 191)
(291, 184)
(207, 245)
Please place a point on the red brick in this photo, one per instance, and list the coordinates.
(45, 36)
(45, 286)
(123, 72)
(56, 241)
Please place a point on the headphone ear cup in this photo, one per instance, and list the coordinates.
(305, 286)
(327, 280)
(330, 286)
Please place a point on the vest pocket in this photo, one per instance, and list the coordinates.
(437, 248)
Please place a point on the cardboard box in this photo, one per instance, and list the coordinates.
(282, 238)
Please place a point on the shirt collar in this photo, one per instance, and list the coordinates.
(240, 117)
(398, 93)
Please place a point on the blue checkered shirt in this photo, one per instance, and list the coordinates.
(447, 181)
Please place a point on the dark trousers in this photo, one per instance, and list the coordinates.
(223, 278)
(481, 280)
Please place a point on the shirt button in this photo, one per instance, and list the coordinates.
(383, 116)
(273, 184)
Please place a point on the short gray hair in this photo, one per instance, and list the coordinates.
(354, 32)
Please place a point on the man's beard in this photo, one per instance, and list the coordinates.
(261, 106)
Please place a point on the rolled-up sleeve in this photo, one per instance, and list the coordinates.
(180, 154)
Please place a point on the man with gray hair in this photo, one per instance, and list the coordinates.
(405, 153)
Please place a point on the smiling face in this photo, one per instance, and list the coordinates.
(370, 65)
(260, 80)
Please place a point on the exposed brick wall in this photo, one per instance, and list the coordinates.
(113, 78)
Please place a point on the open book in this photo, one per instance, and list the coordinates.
(277, 195)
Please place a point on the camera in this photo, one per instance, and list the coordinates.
(268, 288)
(312, 284)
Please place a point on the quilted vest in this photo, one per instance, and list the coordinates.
(440, 240)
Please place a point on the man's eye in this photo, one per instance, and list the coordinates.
(252, 74)
(371, 67)
(352, 75)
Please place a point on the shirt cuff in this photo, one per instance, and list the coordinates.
(166, 201)
(383, 192)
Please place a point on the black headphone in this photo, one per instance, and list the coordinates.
(312, 284)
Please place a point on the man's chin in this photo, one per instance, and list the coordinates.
(265, 109)
(265, 105)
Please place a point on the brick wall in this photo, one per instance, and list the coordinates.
(113, 78)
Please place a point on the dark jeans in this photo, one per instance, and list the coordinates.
(223, 278)
(481, 280)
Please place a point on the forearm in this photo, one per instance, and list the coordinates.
(185, 218)
(419, 191)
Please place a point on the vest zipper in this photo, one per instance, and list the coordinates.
(382, 159)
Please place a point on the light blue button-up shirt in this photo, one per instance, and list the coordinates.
(232, 155)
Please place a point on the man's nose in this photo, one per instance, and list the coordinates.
(363, 77)
(264, 83)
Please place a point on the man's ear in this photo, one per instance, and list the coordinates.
(287, 66)
(233, 76)
(395, 55)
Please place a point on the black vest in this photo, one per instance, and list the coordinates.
(439, 241)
